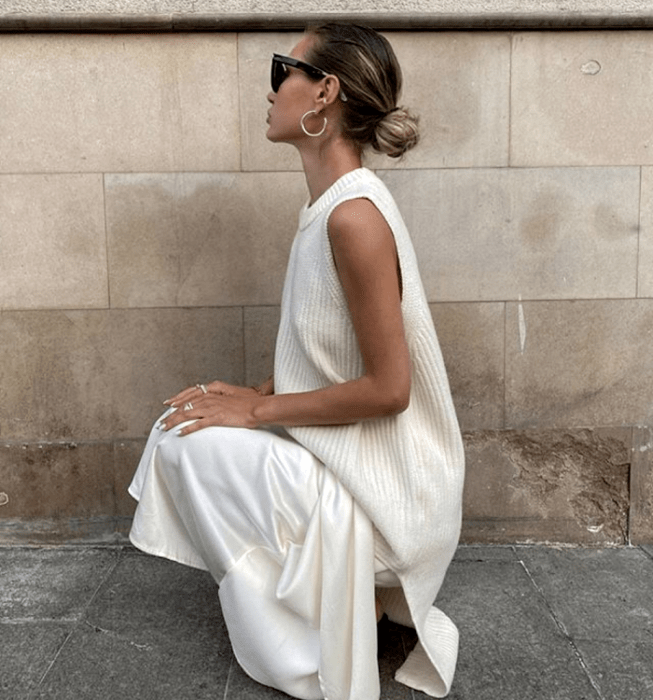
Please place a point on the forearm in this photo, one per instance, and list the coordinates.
(349, 402)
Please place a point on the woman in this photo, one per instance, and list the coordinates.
(343, 473)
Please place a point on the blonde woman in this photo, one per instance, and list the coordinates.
(330, 494)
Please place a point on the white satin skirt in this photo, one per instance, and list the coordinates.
(291, 551)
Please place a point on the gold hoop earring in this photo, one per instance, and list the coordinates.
(306, 131)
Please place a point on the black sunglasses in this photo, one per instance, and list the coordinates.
(279, 71)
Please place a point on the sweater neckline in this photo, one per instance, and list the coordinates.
(308, 213)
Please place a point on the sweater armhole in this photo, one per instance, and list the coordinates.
(333, 267)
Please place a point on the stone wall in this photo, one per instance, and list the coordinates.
(145, 223)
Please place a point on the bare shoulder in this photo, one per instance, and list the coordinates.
(358, 222)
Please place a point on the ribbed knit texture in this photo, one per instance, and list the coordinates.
(406, 472)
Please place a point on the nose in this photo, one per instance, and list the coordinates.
(270, 97)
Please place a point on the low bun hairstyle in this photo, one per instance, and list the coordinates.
(370, 78)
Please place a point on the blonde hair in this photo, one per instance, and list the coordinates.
(370, 78)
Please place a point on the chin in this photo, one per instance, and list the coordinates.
(275, 138)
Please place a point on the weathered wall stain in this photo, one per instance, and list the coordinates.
(583, 472)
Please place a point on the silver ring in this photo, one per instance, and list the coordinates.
(202, 388)
(188, 406)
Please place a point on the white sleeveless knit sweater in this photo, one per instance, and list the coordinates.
(405, 471)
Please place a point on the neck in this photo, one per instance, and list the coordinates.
(327, 162)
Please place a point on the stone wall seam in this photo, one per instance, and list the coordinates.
(639, 233)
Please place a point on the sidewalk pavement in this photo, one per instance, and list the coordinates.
(536, 623)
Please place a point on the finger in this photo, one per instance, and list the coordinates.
(193, 427)
(183, 396)
(177, 397)
(178, 417)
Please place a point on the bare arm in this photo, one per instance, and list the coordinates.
(366, 259)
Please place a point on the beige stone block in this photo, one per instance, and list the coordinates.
(581, 363)
(472, 341)
(66, 481)
(127, 454)
(52, 241)
(547, 486)
(458, 83)
(483, 235)
(582, 98)
(102, 102)
(645, 271)
(641, 486)
(81, 375)
(261, 326)
(200, 239)
(254, 60)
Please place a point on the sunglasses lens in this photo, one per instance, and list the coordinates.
(278, 74)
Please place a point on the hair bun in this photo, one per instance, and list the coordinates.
(396, 133)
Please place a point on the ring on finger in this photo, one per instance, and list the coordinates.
(188, 406)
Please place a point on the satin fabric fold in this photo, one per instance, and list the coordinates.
(291, 549)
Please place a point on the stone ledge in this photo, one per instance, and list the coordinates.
(237, 15)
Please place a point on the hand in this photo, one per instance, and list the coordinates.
(216, 404)
(212, 410)
(195, 392)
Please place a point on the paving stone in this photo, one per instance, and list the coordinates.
(499, 603)
(596, 595)
(154, 631)
(26, 652)
(488, 670)
(155, 600)
(622, 671)
(154, 628)
(50, 584)
(511, 647)
(95, 664)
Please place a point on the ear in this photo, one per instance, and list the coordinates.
(329, 91)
